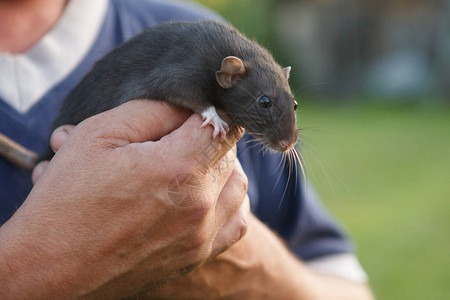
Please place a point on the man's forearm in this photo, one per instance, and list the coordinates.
(281, 275)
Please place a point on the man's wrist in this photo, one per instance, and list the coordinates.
(280, 273)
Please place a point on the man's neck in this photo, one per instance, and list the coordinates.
(24, 22)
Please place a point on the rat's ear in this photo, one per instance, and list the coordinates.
(232, 68)
(286, 72)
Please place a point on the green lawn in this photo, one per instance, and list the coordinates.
(383, 170)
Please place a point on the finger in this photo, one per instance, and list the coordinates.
(138, 121)
(230, 202)
(38, 170)
(233, 230)
(232, 194)
(59, 136)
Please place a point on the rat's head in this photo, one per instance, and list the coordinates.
(257, 96)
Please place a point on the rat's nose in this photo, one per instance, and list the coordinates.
(285, 144)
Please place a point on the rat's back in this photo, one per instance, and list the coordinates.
(168, 61)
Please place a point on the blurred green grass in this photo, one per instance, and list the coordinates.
(383, 171)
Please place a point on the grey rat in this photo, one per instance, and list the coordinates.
(201, 66)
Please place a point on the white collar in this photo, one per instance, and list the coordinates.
(25, 78)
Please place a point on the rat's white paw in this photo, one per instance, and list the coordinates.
(210, 116)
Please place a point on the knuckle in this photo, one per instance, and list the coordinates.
(242, 225)
(87, 129)
(244, 182)
(198, 213)
(240, 179)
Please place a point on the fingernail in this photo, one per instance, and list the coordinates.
(58, 138)
(236, 132)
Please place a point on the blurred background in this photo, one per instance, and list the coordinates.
(372, 79)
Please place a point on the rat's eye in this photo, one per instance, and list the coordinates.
(295, 105)
(265, 102)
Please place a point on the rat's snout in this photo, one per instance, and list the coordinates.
(285, 144)
(289, 141)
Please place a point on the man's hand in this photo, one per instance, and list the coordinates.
(135, 196)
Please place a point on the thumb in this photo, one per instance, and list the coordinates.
(59, 136)
(57, 139)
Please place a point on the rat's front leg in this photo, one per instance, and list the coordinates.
(210, 116)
